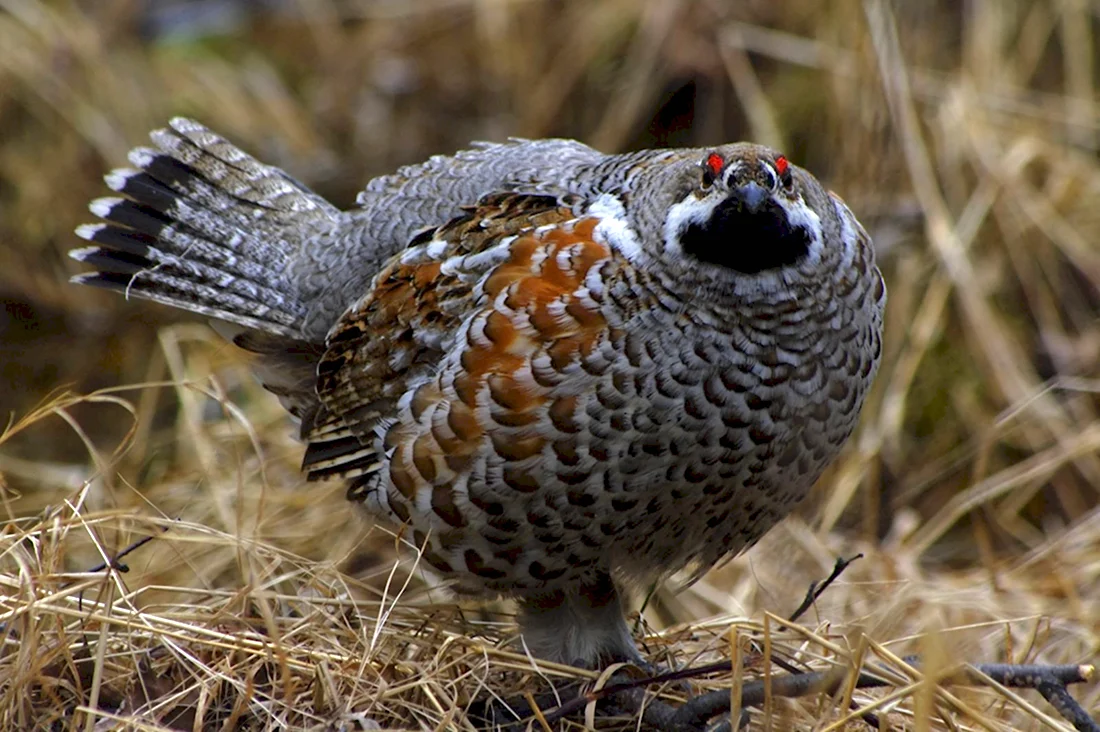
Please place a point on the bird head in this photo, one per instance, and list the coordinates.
(739, 217)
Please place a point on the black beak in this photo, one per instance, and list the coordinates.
(750, 195)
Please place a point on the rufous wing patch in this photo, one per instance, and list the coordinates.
(396, 337)
(433, 369)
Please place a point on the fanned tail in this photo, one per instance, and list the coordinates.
(201, 225)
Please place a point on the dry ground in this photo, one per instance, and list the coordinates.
(965, 135)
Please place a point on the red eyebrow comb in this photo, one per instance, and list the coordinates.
(715, 163)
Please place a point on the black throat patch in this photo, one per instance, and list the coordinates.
(747, 241)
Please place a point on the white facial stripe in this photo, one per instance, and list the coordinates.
(689, 211)
(801, 215)
(773, 175)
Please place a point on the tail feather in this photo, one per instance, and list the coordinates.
(176, 233)
(153, 247)
(200, 225)
(233, 171)
(121, 261)
(159, 284)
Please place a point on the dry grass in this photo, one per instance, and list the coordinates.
(964, 135)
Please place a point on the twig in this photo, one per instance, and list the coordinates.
(1059, 698)
(817, 588)
(117, 565)
(1050, 681)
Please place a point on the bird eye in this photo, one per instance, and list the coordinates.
(712, 168)
(784, 169)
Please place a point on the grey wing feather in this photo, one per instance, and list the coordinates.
(394, 208)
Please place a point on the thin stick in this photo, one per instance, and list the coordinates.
(816, 588)
(1050, 681)
(1059, 698)
(117, 565)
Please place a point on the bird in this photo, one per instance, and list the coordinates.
(564, 374)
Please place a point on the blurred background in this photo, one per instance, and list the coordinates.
(963, 134)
